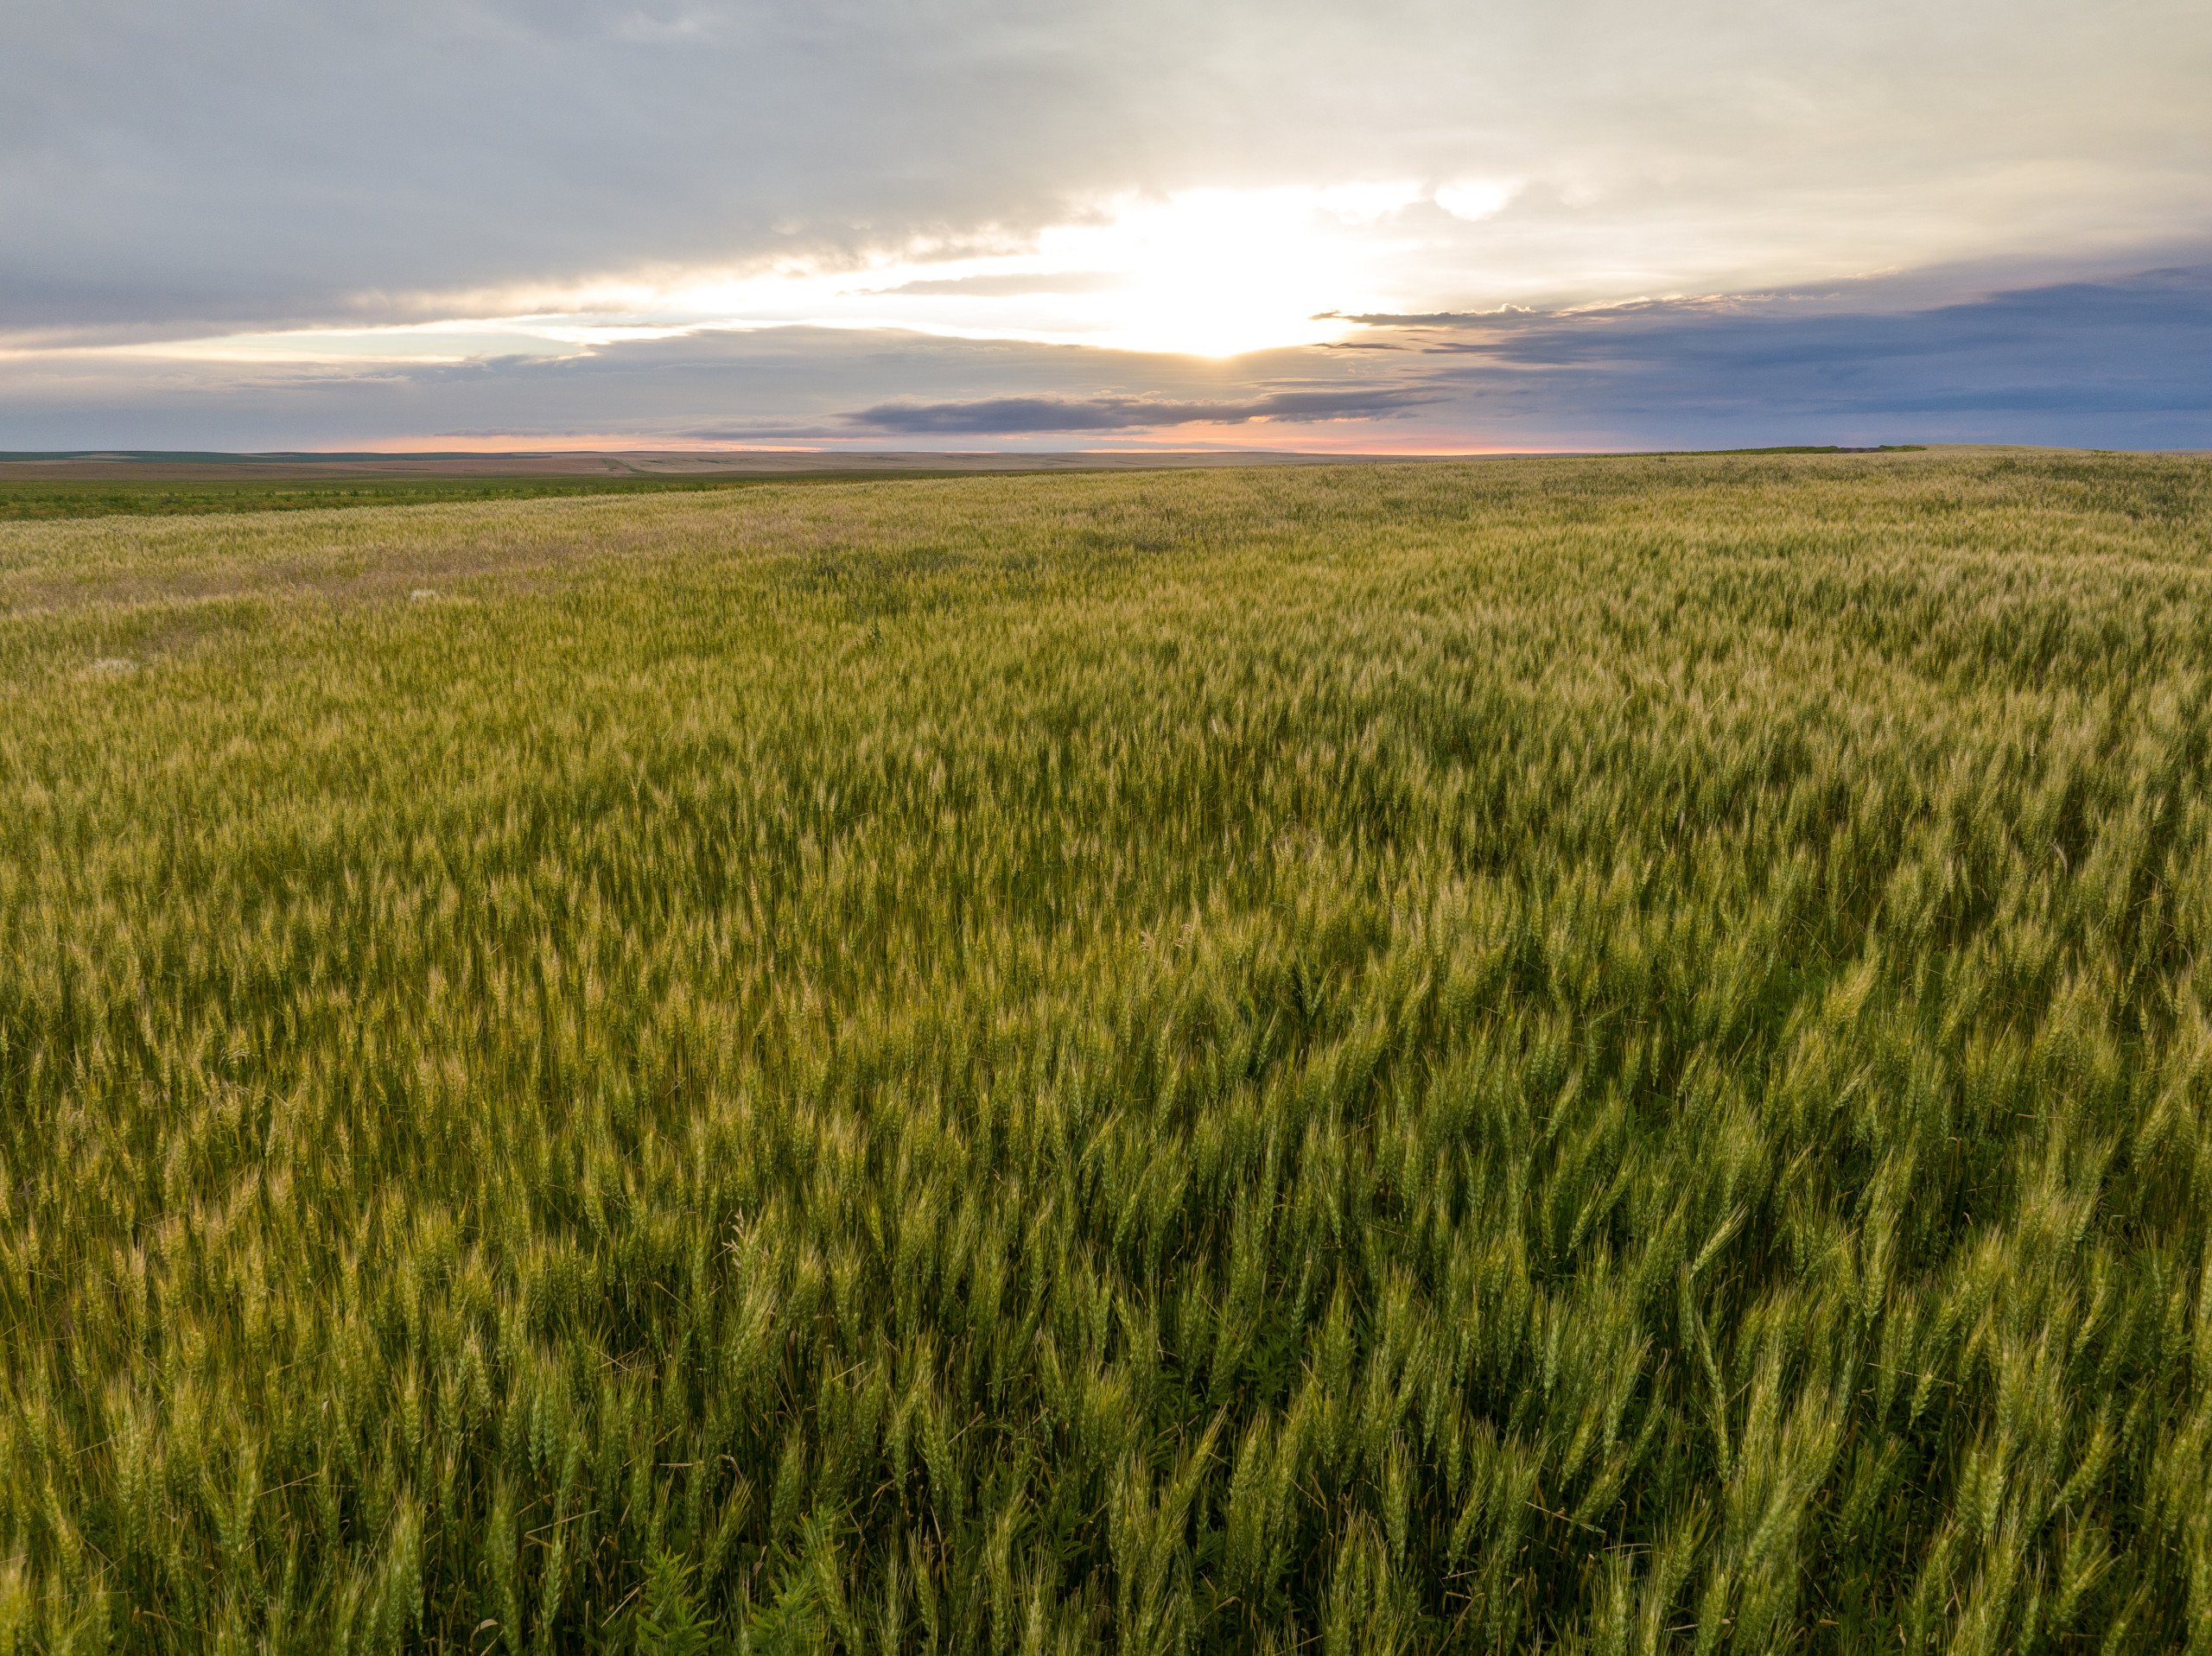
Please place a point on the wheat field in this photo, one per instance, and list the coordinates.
(1592, 1056)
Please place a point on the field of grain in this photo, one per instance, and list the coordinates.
(1602, 1056)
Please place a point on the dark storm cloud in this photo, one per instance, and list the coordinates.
(1009, 416)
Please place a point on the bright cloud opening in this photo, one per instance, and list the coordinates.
(1474, 198)
(1218, 273)
(1207, 273)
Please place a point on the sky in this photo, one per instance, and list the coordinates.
(1399, 225)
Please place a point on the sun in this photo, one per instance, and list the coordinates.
(1219, 272)
(1212, 272)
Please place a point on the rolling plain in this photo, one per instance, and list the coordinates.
(1593, 1055)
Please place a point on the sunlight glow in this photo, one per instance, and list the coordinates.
(1474, 198)
(1216, 273)
(1206, 273)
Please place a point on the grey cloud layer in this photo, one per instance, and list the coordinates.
(1015, 415)
(182, 163)
(2117, 363)
(784, 384)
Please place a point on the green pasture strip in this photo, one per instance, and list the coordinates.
(43, 499)
(1584, 1054)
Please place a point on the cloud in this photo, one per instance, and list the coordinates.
(260, 163)
(2085, 332)
(1505, 316)
(795, 384)
(1000, 415)
(1473, 199)
(2121, 361)
(1012, 285)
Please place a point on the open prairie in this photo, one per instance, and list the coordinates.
(46, 486)
(1601, 1054)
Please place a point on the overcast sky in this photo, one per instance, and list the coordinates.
(1397, 224)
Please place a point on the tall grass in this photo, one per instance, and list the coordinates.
(1603, 1055)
